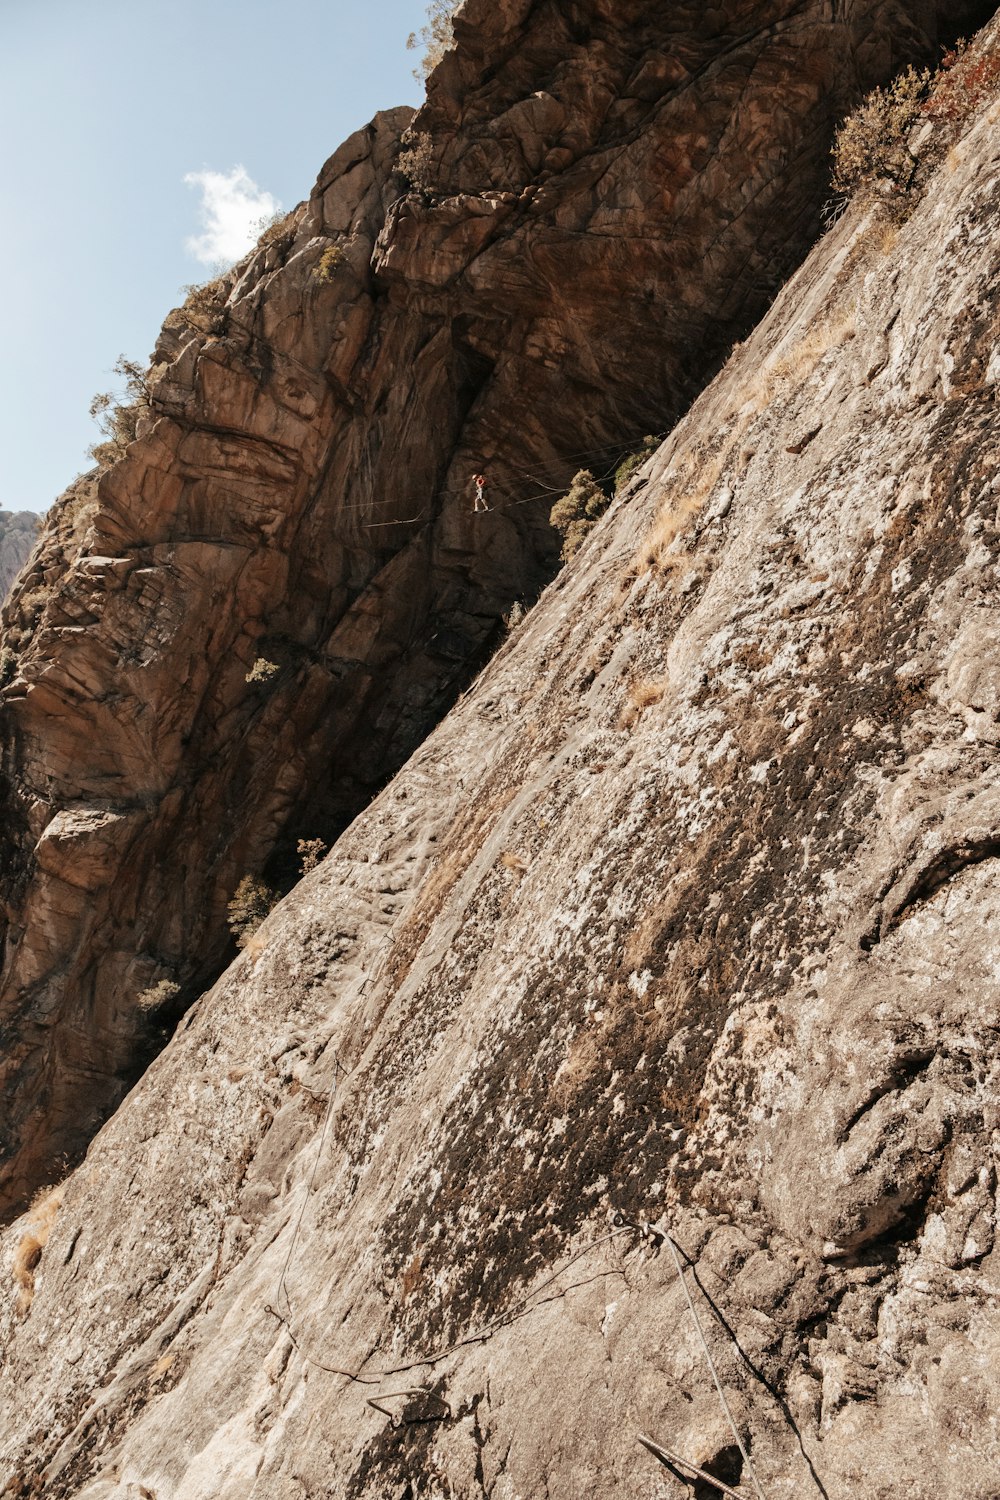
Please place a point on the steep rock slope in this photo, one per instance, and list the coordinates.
(610, 193)
(686, 912)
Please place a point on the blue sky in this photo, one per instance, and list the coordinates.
(106, 107)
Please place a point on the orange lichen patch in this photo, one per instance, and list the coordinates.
(410, 1279)
(38, 1222)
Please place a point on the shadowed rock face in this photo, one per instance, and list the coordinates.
(612, 195)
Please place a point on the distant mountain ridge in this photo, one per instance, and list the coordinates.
(18, 532)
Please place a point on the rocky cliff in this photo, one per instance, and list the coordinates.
(654, 1001)
(18, 534)
(600, 198)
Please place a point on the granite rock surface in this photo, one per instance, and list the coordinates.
(600, 200)
(664, 975)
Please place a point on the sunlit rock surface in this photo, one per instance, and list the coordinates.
(685, 913)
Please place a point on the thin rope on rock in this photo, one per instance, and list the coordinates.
(711, 1365)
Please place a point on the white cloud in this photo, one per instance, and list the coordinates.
(231, 208)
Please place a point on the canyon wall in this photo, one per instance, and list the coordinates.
(606, 197)
(661, 984)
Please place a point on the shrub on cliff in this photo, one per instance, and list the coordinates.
(204, 306)
(437, 37)
(416, 162)
(578, 512)
(872, 149)
(158, 996)
(634, 461)
(310, 851)
(273, 227)
(968, 79)
(326, 267)
(262, 670)
(119, 418)
(252, 901)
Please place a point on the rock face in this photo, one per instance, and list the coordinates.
(18, 534)
(686, 913)
(609, 196)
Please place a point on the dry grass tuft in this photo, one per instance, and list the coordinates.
(254, 948)
(699, 472)
(887, 238)
(803, 358)
(41, 1217)
(579, 1064)
(642, 694)
(665, 530)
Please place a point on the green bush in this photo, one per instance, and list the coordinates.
(332, 257)
(252, 901)
(634, 461)
(577, 513)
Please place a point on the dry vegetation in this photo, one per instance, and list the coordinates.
(253, 900)
(880, 151)
(204, 305)
(157, 996)
(310, 852)
(332, 258)
(581, 1061)
(699, 470)
(39, 1221)
(262, 670)
(643, 693)
(416, 160)
(274, 227)
(119, 417)
(436, 37)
